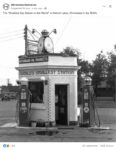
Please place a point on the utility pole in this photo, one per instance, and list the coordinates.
(8, 82)
(25, 37)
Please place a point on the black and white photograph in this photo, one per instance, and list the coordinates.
(58, 73)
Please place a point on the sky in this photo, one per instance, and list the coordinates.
(90, 33)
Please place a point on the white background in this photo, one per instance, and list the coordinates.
(88, 33)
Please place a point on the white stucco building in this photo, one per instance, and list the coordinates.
(53, 83)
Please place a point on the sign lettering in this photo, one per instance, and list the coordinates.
(23, 60)
(47, 71)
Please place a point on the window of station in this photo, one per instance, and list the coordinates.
(37, 91)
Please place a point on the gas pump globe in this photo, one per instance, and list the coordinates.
(87, 80)
(24, 81)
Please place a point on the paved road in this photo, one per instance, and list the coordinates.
(72, 134)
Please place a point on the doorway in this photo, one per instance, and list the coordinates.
(61, 104)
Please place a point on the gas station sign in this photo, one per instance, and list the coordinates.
(23, 60)
(46, 72)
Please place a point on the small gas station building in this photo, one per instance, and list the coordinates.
(52, 80)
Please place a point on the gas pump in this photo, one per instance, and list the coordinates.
(24, 103)
(87, 111)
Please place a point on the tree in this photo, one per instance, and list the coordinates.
(100, 69)
(85, 66)
(70, 51)
(85, 70)
(112, 65)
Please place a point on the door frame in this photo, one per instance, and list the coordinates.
(67, 107)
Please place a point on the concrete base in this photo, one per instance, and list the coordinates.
(50, 124)
(33, 124)
(53, 124)
(73, 123)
